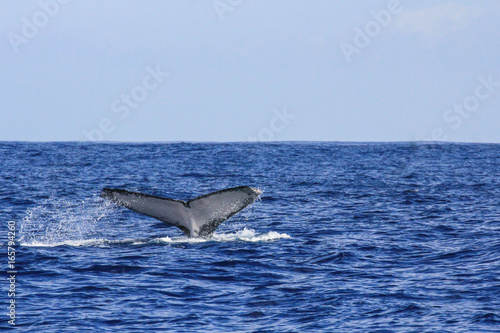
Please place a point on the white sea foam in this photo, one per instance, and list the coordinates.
(245, 235)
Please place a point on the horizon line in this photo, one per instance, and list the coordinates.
(244, 142)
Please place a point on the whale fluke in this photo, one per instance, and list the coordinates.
(198, 217)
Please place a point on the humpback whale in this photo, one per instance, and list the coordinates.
(198, 217)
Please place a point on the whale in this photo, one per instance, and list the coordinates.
(198, 217)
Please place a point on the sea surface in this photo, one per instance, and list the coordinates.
(346, 237)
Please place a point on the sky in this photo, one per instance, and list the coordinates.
(242, 70)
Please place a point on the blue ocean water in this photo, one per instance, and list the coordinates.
(380, 237)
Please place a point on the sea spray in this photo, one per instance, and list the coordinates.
(59, 220)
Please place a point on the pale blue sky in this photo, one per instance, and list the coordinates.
(242, 70)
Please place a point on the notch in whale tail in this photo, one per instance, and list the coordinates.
(198, 217)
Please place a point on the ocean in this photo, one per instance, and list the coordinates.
(346, 237)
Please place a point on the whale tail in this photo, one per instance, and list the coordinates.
(198, 217)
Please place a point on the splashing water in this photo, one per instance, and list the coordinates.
(58, 221)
